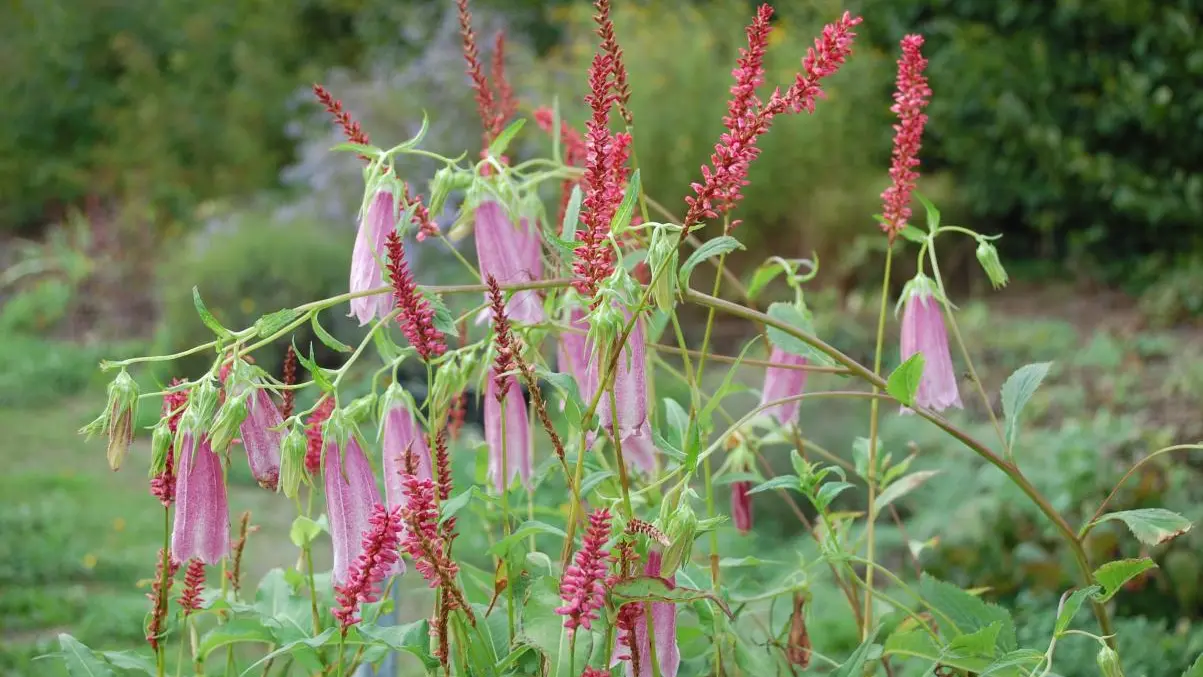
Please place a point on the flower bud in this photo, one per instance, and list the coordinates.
(122, 408)
(360, 410)
(160, 443)
(1108, 662)
(292, 461)
(202, 404)
(228, 420)
(987, 255)
(663, 252)
(681, 531)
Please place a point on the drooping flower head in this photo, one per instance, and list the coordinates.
(368, 257)
(350, 494)
(583, 587)
(202, 515)
(402, 437)
(923, 332)
(507, 431)
(378, 559)
(629, 415)
(416, 316)
(162, 485)
(782, 382)
(573, 353)
(741, 506)
(511, 255)
(261, 437)
(910, 98)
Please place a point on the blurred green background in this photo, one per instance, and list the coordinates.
(146, 147)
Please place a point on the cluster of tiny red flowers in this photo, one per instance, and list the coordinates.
(313, 435)
(194, 585)
(159, 590)
(910, 98)
(290, 378)
(422, 539)
(416, 316)
(162, 486)
(583, 587)
(373, 565)
(503, 339)
(748, 117)
(494, 107)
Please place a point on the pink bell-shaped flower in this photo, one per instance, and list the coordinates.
(630, 398)
(923, 332)
(402, 435)
(574, 352)
(369, 257)
(513, 443)
(351, 494)
(261, 436)
(664, 627)
(511, 255)
(202, 513)
(780, 383)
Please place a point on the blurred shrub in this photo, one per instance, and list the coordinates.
(36, 371)
(244, 269)
(1075, 121)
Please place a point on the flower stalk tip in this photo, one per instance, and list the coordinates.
(911, 96)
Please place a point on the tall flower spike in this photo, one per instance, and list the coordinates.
(371, 241)
(780, 383)
(194, 585)
(664, 626)
(507, 105)
(350, 495)
(609, 45)
(583, 587)
(511, 255)
(261, 436)
(159, 591)
(630, 396)
(485, 104)
(378, 559)
(402, 437)
(290, 378)
(507, 431)
(416, 315)
(923, 332)
(910, 98)
(313, 431)
(423, 542)
(202, 515)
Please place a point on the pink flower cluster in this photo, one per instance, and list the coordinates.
(313, 433)
(583, 587)
(416, 317)
(194, 585)
(422, 539)
(910, 98)
(375, 563)
(162, 486)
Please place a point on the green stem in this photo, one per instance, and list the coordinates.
(871, 479)
(622, 465)
(505, 517)
(160, 658)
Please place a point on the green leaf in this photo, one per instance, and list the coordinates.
(328, 636)
(1113, 575)
(128, 660)
(749, 561)
(966, 614)
(1071, 607)
(901, 487)
(1017, 390)
(913, 234)
(207, 317)
(542, 627)
(303, 531)
(779, 482)
(1151, 526)
(904, 380)
(1195, 670)
(855, 665)
(412, 638)
(456, 503)
(916, 643)
(593, 479)
(572, 215)
(273, 322)
(327, 338)
(766, 273)
(237, 631)
(626, 209)
(357, 148)
(828, 492)
(714, 247)
(979, 644)
(528, 528)
(81, 661)
(655, 589)
(799, 319)
(569, 389)
(933, 214)
(319, 375)
(497, 148)
(443, 320)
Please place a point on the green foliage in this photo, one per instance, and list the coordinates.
(36, 371)
(1086, 151)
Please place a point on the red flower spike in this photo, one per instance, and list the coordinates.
(375, 563)
(910, 98)
(507, 105)
(159, 590)
(162, 486)
(313, 431)
(583, 587)
(485, 105)
(416, 316)
(194, 585)
(609, 45)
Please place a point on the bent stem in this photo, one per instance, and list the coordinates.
(871, 479)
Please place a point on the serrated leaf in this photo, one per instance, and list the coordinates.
(1017, 390)
(901, 487)
(917, 643)
(779, 482)
(207, 317)
(572, 215)
(855, 665)
(1113, 575)
(714, 247)
(979, 644)
(237, 631)
(904, 380)
(273, 322)
(528, 528)
(762, 276)
(1151, 526)
(303, 531)
(828, 492)
(1071, 607)
(82, 661)
(966, 614)
(327, 338)
(443, 320)
(799, 319)
(412, 638)
(502, 142)
(626, 209)
(1013, 663)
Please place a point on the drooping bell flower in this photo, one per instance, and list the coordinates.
(574, 354)
(368, 258)
(630, 396)
(633, 621)
(741, 506)
(509, 447)
(402, 436)
(923, 332)
(202, 515)
(511, 255)
(780, 383)
(261, 436)
(351, 494)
